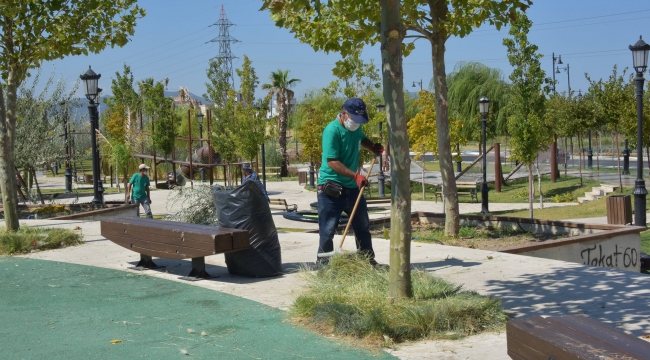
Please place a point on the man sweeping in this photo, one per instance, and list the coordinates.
(250, 175)
(339, 185)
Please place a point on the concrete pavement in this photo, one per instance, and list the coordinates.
(527, 286)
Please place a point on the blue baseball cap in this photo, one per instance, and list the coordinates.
(356, 108)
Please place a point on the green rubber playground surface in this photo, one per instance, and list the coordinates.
(54, 310)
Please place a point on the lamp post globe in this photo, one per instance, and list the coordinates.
(199, 119)
(640, 52)
(484, 109)
(90, 80)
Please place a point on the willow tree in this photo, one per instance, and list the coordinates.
(469, 82)
(344, 25)
(35, 31)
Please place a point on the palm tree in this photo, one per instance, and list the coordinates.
(279, 86)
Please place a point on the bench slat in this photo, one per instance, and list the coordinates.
(198, 233)
(218, 245)
(160, 250)
(541, 338)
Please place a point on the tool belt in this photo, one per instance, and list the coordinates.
(332, 188)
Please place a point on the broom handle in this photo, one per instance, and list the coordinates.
(356, 204)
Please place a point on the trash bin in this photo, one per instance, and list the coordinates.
(302, 177)
(619, 209)
(88, 179)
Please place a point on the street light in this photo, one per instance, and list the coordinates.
(484, 108)
(640, 52)
(381, 179)
(568, 74)
(418, 82)
(199, 119)
(90, 80)
(559, 61)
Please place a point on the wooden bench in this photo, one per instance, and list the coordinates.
(570, 337)
(469, 186)
(173, 240)
(378, 200)
(283, 203)
(272, 171)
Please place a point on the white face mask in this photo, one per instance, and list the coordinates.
(351, 125)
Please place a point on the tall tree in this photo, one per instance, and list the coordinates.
(612, 99)
(33, 31)
(279, 86)
(40, 118)
(224, 126)
(250, 114)
(344, 25)
(530, 135)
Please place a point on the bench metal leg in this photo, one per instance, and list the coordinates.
(145, 263)
(198, 270)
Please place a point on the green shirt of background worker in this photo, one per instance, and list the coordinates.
(138, 190)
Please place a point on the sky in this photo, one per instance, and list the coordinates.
(172, 41)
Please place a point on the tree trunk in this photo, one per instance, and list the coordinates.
(7, 164)
(392, 33)
(566, 154)
(38, 188)
(618, 158)
(539, 186)
(531, 190)
(438, 10)
(580, 149)
(647, 152)
(598, 153)
(284, 169)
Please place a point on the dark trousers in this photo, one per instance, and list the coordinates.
(329, 213)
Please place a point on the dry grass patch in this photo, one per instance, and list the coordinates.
(349, 297)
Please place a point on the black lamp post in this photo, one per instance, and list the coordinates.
(68, 171)
(90, 80)
(640, 52)
(199, 118)
(568, 73)
(559, 61)
(418, 82)
(484, 108)
(380, 177)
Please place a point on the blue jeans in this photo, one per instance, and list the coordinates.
(329, 213)
(145, 206)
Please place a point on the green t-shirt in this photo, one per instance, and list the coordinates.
(140, 184)
(344, 145)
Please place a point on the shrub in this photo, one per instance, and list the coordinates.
(35, 238)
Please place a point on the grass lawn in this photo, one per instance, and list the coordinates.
(590, 209)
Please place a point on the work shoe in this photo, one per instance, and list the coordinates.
(378, 266)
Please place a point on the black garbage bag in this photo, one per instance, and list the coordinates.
(246, 208)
